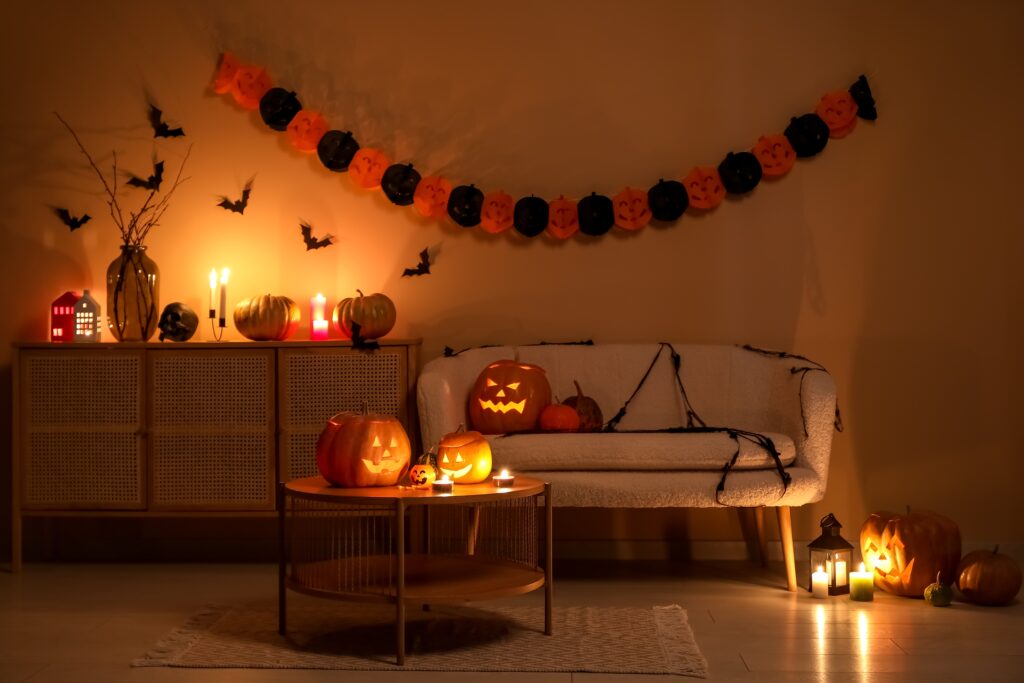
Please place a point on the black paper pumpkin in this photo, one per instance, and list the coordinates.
(278, 107)
(808, 134)
(399, 183)
(178, 322)
(668, 200)
(740, 172)
(530, 217)
(596, 214)
(860, 91)
(464, 204)
(336, 150)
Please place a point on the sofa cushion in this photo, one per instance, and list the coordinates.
(633, 451)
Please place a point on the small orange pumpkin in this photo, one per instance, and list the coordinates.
(558, 417)
(632, 210)
(225, 76)
(704, 187)
(464, 457)
(775, 155)
(305, 130)
(496, 215)
(367, 168)
(375, 314)
(431, 196)
(249, 86)
(363, 449)
(424, 472)
(839, 112)
(988, 578)
(508, 397)
(563, 219)
(267, 317)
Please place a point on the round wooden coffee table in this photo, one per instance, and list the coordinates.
(409, 546)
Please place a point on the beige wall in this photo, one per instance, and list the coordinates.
(893, 258)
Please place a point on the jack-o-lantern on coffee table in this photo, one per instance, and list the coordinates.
(464, 457)
(363, 449)
(906, 552)
(508, 397)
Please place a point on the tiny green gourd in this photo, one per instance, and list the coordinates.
(938, 594)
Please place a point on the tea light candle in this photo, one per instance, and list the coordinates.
(503, 479)
(819, 583)
(443, 485)
(862, 585)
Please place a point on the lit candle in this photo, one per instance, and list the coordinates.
(819, 583)
(443, 485)
(840, 572)
(318, 326)
(213, 293)
(862, 585)
(503, 479)
(224, 272)
(319, 330)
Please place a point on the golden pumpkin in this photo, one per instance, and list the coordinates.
(375, 314)
(267, 317)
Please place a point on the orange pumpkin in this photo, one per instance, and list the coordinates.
(367, 168)
(267, 317)
(423, 473)
(464, 457)
(496, 215)
(839, 112)
(906, 552)
(305, 130)
(249, 86)
(508, 397)
(704, 187)
(988, 578)
(558, 417)
(563, 220)
(632, 211)
(225, 76)
(431, 196)
(375, 314)
(775, 155)
(356, 450)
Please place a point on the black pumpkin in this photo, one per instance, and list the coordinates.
(860, 91)
(336, 150)
(399, 183)
(740, 172)
(668, 200)
(178, 322)
(596, 214)
(278, 107)
(808, 134)
(530, 216)
(464, 205)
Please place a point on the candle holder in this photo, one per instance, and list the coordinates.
(504, 479)
(833, 554)
(218, 314)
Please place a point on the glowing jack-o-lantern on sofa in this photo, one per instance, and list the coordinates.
(465, 457)
(363, 449)
(508, 397)
(906, 552)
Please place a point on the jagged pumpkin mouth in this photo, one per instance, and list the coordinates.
(457, 474)
(382, 465)
(503, 406)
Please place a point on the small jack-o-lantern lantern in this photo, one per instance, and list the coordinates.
(225, 76)
(632, 211)
(424, 472)
(399, 183)
(356, 450)
(808, 135)
(906, 552)
(306, 129)
(839, 112)
(249, 86)
(508, 397)
(496, 215)
(431, 197)
(704, 187)
(668, 200)
(464, 457)
(596, 214)
(367, 168)
(375, 314)
(278, 107)
(464, 205)
(530, 216)
(740, 172)
(775, 155)
(336, 150)
(563, 222)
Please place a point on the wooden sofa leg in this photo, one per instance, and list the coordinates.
(786, 537)
(762, 539)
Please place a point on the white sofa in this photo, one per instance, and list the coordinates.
(788, 399)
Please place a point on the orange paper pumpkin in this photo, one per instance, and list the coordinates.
(431, 196)
(367, 168)
(906, 552)
(775, 155)
(839, 112)
(563, 220)
(225, 76)
(306, 129)
(464, 457)
(496, 215)
(250, 84)
(632, 211)
(356, 450)
(508, 397)
(704, 187)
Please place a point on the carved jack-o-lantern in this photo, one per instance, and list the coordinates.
(563, 222)
(250, 84)
(465, 457)
(357, 450)
(632, 211)
(424, 472)
(508, 397)
(704, 187)
(336, 150)
(431, 197)
(775, 155)
(596, 214)
(399, 183)
(530, 216)
(278, 107)
(367, 168)
(906, 552)
(225, 76)
(839, 112)
(496, 215)
(306, 129)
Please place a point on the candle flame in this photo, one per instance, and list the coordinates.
(224, 272)
(821, 569)
(504, 474)
(861, 567)
(444, 479)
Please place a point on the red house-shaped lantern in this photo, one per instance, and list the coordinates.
(62, 317)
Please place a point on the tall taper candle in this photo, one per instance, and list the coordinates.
(213, 293)
(222, 320)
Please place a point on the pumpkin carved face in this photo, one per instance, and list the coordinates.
(356, 450)
(563, 221)
(306, 129)
(497, 212)
(465, 457)
(775, 155)
(367, 168)
(839, 112)
(421, 476)
(431, 197)
(704, 187)
(632, 211)
(249, 86)
(906, 552)
(508, 397)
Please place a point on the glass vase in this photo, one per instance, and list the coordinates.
(133, 295)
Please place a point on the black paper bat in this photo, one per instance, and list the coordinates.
(422, 268)
(359, 343)
(161, 129)
(151, 183)
(312, 242)
(238, 206)
(72, 222)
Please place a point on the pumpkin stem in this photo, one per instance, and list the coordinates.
(360, 291)
(579, 391)
(938, 576)
(461, 429)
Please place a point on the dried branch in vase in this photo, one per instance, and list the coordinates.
(134, 225)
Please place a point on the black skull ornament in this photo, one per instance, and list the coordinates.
(178, 322)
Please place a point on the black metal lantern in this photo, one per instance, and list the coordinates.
(832, 554)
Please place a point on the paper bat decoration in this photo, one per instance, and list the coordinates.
(161, 129)
(237, 206)
(72, 222)
(358, 342)
(312, 242)
(422, 268)
(151, 183)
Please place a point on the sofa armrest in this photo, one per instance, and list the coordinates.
(814, 442)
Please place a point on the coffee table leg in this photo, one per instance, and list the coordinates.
(282, 608)
(548, 561)
(400, 607)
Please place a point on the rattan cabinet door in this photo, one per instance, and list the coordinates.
(80, 431)
(318, 383)
(212, 429)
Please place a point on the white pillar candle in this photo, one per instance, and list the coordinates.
(840, 573)
(819, 583)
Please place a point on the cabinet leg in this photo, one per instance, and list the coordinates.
(400, 578)
(282, 562)
(786, 537)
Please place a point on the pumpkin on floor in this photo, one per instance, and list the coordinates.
(267, 317)
(363, 449)
(375, 314)
(508, 396)
(985, 577)
(591, 418)
(938, 594)
(464, 457)
(907, 551)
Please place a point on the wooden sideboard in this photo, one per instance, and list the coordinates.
(160, 429)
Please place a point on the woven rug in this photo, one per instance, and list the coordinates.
(329, 635)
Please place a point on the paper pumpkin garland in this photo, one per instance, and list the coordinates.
(703, 188)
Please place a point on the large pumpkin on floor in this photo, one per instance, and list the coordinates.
(267, 318)
(508, 397)
(465, 457)
(987, 578)
(363, 449)
(374, 314)
(907, 551)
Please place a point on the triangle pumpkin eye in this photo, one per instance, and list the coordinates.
(458, 457)
(491, 383)
(376, 441)
(394, 442)
(444, 459)
(513, 386)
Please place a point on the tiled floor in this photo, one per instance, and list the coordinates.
(85, 622)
